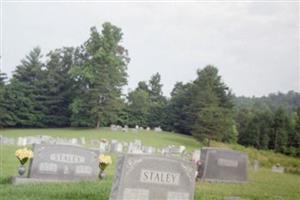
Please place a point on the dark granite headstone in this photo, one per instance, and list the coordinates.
(223, 165)
(144, 177)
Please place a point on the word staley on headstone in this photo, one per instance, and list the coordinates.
(144, 177)
(63, 162)
(223, 165)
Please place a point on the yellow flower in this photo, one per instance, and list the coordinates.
(23, 155)
(103, 159)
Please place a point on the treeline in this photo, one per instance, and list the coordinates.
(82, 87)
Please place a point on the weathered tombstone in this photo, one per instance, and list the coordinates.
(144, 177)
(255, 165)
(56, 163)
(149, 150)
(82, 140)
(116, 147)
(277, 168)
(7, 140)
(223, 165)
(104, 146)
(21, 141)
(196, 156)
(157, 129)
(148, 128)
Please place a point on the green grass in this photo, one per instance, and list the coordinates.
(262, 185)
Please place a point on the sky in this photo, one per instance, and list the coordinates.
(255, 45)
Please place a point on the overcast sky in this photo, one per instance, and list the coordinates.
(254, 45)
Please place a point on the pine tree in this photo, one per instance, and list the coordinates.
(24, 96)
(211, 107)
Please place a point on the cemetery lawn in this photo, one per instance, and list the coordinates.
(262, 185)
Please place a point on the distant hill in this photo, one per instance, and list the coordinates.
(289, 101)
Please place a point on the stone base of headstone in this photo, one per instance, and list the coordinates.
(16, 180)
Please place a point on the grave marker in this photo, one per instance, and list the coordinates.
(56, 163)
(223, 165)
(141, 177)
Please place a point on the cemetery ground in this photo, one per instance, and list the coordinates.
(262, 185)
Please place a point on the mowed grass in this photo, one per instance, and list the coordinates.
(262, 185)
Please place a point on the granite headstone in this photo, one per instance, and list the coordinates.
(144, 177)
(223, 165)
(56, 163)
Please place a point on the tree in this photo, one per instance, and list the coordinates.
(211, 107)
(102, 75)
(3, 112)
(59, 87)
(138, 107)
(157, 113)
(24, 96)
(279, 136)
(178, 115)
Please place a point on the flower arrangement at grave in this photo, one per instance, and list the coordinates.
(104, 161)
(23, 156)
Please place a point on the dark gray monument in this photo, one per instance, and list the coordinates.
(144, 177)
(223, 165)
(56, 163)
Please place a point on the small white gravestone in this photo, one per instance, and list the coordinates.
(255, 165)
(148, 128)
(157, 129)
(148, 150)
(117, 147)
(196, 156)
(277, 168)
(82, 140)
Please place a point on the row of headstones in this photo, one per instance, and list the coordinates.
(135, 147)
(41, 139)
(44, 139)
(137, 128)
(137, 176)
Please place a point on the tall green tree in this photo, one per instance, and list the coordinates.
(3, 112)
(178, 109)
(59, 87)
(211, 107)
(103, 74)
(158, 102)
(24, 96)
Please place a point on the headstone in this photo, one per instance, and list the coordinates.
(7, 140)
(148, 128)
(196, 156)
(223, 165)
(277, 169)
(117, 147)
(148, 150)
(82, 140)
(144, 177)
(53, 163)
(157, 129)
(255, 165)
(104, 146)
(21, 141)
